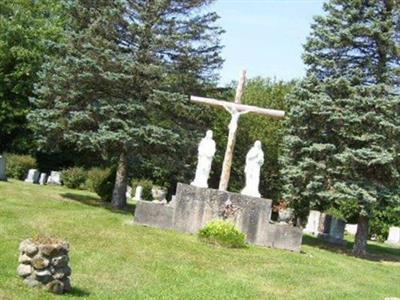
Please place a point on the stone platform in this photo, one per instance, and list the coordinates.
(194, 207)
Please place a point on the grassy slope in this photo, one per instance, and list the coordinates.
(112, 259)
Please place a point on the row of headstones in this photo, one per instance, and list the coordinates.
(326, 227)
(34, 176)
(159, 194)
(332, 229)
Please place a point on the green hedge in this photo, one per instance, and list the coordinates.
(147, 186)
(17, 166)
(101, 181)
(74, 178)
(223, 233)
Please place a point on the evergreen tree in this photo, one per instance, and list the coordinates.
(354, 45)
(357, 39)
(342, 148)
(27, 31)
(111, 90)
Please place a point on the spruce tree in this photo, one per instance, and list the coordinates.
(342, 148)
(111, 90)
(357, 39)
(340, 126)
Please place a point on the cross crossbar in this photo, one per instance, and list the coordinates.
(239, 107)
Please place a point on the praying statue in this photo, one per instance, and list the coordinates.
(206, 153)
(254, 161)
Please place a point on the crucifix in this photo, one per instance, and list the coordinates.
(236, 109)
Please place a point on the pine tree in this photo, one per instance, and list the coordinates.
(111, 90)
(357, 39)
(355, 45)
(342, 148)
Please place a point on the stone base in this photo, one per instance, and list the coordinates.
(332, 240)
(194, 207)
(154, 214)
(283, 236)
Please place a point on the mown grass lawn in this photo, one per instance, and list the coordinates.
(113, 259)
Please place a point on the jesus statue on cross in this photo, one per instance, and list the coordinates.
(236, 109)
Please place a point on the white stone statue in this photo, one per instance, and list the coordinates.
(206, 153)
(254, 161)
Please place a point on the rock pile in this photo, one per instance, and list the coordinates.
(44, 262)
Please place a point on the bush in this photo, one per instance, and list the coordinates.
(147, 186)
(223, 233)
(381, 221)
(17, 166)
(101, 181)
(74, 178)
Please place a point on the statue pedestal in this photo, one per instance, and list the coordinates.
(194, 207)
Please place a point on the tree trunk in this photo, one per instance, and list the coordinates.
(360, 241)
(121, 181)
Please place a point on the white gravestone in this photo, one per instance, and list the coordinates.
(138, 192)
(313, 222)
(33, 176)
(254, 161)
(54, 178)
(3, 175)
(351, 229)
(206, 151)
(394, 236)
(43, 178)
(128, 193)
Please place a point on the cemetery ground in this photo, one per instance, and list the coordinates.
(113, 259)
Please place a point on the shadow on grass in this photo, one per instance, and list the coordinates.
(376, 252)
(77, 292)
(94, 201)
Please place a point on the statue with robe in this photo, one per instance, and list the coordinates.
(206, 151)
(254, 161)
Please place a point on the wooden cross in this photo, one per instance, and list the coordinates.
(236, 109)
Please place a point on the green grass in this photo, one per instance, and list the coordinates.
(113, 259)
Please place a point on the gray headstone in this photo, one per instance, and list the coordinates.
(173, 201)
(3, 168)
(313, 222)
(54, 178)
(394, 236)
(331, 229)
(33, 176)
(43, 178)
(337, 228)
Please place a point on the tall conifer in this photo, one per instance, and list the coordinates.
(111, 90)
(342, 141)
(357, 39)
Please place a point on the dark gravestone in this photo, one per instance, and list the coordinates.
(3, 176)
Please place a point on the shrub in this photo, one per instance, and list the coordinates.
(74, 178)
(222, 233)
(381, 221)
(147, 186)
(101, 181)
(17, 166)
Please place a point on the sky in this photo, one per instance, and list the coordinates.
(265, 37)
